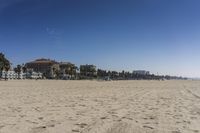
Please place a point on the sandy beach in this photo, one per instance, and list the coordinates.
(50, 106)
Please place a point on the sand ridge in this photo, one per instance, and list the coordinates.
(52, 106)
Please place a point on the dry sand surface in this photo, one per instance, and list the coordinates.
(99, 107)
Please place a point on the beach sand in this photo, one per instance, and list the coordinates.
(53, 106)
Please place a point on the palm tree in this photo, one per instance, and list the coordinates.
(101, 73)
(114, 75)
(55, 73)
(18, 70)
(1, 68)
(24, 68)
(4, 65)
(70, 69)
(73, 70)
(88, 71)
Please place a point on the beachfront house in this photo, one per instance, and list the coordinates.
(48, 68)
(12, 75)
(9, 74)
(34, 75)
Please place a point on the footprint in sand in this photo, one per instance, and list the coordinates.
(2, 126)
(176, 132)
(38, 129)
(40, 118)
(81, 125)
(103, 118)
(196, 131)
(149, 127)
(75, 130)
(193, 118)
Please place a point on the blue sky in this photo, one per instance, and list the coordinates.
(162, 36)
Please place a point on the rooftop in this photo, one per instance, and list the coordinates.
(43, 61)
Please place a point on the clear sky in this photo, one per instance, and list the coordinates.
(158, 35)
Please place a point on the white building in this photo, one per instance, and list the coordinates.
(9, 75)
(34, 75)
(13, 75)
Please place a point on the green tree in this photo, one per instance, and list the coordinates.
(24, 68)
(70, 69)
(101, 73)
(88, 71)
(4, 64)
(18, 70)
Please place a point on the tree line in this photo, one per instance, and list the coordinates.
(88, 72)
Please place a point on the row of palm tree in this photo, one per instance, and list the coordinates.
(123, 75)
(19, 69)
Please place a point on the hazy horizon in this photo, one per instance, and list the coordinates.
(159, 36)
